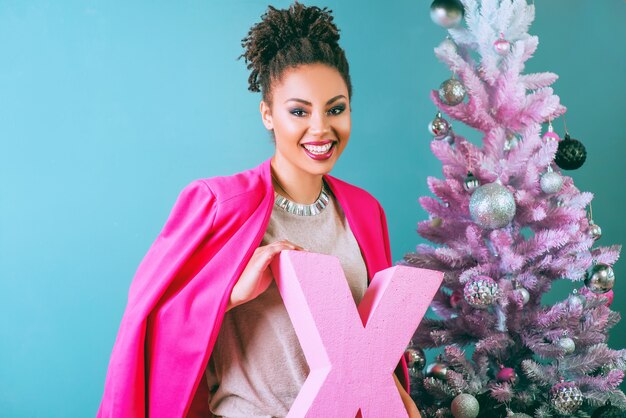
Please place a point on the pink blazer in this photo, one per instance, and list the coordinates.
(178, 296)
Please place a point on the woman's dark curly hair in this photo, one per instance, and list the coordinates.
(289, 38)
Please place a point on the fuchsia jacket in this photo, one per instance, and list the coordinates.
(178, 296)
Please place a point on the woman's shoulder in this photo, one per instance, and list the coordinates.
(242, 185)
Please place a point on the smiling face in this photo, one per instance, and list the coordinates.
(310, 116)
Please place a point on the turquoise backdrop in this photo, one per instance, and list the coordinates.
(109, 108)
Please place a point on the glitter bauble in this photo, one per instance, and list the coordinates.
(439, 126)
(518, 415)
(551, 135)
(481, 292)
(608, 411)
(452, 92)
(567, 344)
(492, 206)
(465, 406)
(600, 279)
(502, 46)
(571, 154)
(594, 230)
(566, 398)
(447, 13)
(551, 182)
(523, 294)
(437, 370)
(470, 183)
(506, 374)
(415, 359)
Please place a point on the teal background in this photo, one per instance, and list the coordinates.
(109, 108)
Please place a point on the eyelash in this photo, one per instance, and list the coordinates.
(341, 108)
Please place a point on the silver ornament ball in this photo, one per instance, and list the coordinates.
(481, 292)
(465, 406)
(576, 300)
(511, 142)
(447, 137)
(567, 344)
(566, 398)
(595, 231)
(471, 183)
(492, 206)
(551, 182)
(415, 359)
(518, 415)
(439, 127)
(600, 279)
(452, 92)
(437, 370)
(523, 294)
(447, 13)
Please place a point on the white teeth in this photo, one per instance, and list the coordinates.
(316, 149)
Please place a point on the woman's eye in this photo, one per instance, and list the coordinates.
(297, 112)
(337, 110)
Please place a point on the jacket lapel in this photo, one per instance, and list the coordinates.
(359, 213)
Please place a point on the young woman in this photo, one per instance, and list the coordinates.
(205, 332)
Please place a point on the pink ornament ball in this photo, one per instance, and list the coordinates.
(455, 298)
(506, 374)
(551, 136)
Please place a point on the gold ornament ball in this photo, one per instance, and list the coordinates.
(452, 92)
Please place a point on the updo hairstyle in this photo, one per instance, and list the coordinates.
(288, 38)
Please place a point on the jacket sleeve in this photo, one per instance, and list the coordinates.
(187, 226)
(401, 369)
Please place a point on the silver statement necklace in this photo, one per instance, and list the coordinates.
(301, 209)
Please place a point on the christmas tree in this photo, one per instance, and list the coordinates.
(507, 223)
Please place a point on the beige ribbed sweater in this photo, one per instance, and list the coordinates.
(257, 366)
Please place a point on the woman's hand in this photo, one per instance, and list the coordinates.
(410, 406)
(257, 275)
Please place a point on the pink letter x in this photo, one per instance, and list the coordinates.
(351, 351)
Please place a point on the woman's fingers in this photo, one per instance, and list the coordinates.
(257, 276)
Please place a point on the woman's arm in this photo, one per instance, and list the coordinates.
(410, 406)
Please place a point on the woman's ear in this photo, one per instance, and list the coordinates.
(266, 115)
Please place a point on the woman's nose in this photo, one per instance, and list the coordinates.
(319, 124)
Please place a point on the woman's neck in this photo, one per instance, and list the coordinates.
(294, 184)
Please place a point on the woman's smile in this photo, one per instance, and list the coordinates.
(319, 151)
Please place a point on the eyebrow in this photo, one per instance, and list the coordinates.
(295, 99)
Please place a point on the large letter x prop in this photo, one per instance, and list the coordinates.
(352, 352)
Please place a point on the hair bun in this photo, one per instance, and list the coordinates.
(298, 22)
(281, 28)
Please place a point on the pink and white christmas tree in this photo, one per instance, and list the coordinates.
(508, 222)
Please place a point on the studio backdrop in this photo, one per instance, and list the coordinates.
(109, 108)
